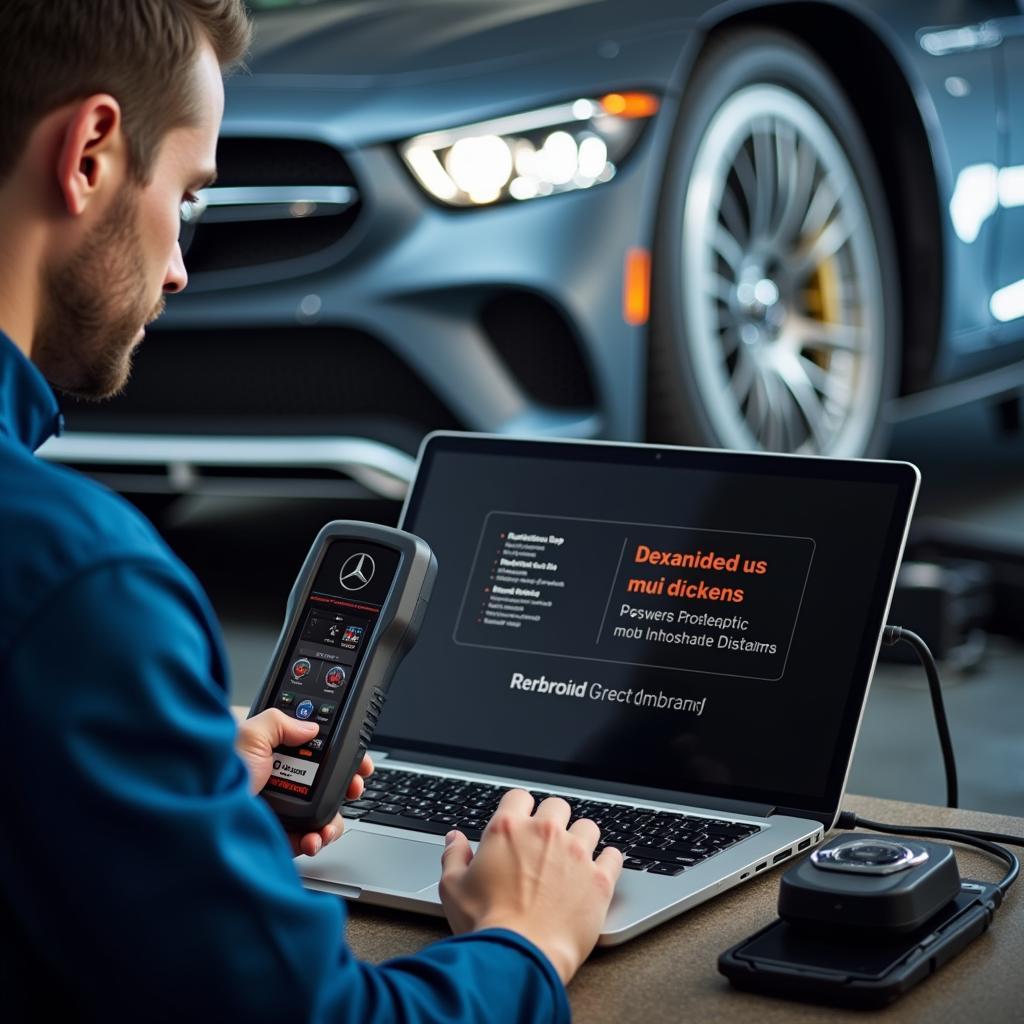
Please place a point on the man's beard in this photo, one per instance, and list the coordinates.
(92, 307)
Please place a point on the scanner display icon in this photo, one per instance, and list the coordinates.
(357, 571)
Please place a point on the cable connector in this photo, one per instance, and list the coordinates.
(892, 635)
(847, 821)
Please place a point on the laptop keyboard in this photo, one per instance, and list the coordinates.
(659, 842)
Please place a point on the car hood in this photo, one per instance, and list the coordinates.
(425, 38)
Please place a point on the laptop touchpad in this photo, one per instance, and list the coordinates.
(376, 862)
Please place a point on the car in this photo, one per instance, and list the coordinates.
(756, 225)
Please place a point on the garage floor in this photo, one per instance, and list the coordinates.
(246, 554)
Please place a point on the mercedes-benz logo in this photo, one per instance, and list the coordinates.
(357, 571)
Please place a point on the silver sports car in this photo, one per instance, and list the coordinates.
(745, 224)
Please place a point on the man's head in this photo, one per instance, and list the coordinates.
(111, 110)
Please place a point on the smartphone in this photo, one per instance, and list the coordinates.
(353, 612)
(857, 970)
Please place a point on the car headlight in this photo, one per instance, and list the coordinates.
(540, 153)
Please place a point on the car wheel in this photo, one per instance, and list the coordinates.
(776, 314)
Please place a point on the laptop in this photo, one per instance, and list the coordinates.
(677, 641)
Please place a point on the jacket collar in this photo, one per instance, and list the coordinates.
(29, 413)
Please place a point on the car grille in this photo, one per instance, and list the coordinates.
(256, 162)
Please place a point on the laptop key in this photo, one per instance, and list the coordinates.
(637, 863)
(622, 837)
(685, 859)
(666, 869)
(720, 842)
(680, 848)
(729, 831)
(351, 812)
(650, 852)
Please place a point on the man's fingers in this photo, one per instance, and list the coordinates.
(456, 855)
(356, 786)
(515, 801)
(311, 844)
(587, 832)
(282, 729)
(333, 829)
(609, 860)
(554, 809)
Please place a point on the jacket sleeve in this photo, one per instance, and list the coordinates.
(146, 875)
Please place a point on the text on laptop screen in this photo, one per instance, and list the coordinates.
(696, 622)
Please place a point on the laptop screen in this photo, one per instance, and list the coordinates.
(691, 621)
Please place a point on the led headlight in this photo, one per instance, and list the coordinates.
(557, 149)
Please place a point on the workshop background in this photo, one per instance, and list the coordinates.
(792, 226)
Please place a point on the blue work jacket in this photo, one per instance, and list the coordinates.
(139, 877)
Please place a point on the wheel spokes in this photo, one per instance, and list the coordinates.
(808, 332)
(827, 244)
(789, 299)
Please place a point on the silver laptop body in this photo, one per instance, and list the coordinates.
(400, 868)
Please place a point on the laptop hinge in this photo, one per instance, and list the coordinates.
(599, 786)
(826, 818)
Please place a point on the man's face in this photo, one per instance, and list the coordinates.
(97, 301)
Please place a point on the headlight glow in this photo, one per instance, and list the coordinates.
(479, 167)
(540, 153)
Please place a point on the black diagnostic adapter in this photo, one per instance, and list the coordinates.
(862, 881)
(862, 921)
(354, 611)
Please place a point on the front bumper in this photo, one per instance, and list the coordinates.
(506, 320)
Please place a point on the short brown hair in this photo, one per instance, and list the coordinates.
(139, 51)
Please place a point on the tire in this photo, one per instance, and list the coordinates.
(776, 317)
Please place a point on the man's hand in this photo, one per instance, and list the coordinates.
(534, 876)
(257, 737)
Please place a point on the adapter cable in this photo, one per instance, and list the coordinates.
(987, 842)
(891, 636)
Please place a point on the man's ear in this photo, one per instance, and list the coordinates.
(93, 156)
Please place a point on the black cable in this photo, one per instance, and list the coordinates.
(893, 635)
(985, 841)
(968, 837)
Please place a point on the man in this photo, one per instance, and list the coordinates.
(140, 874)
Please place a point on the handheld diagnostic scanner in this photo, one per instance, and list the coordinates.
(353, 612)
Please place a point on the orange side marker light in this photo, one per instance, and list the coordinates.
(632, 105)
(636, 297)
